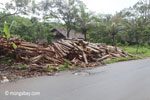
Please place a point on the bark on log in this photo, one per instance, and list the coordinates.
(84, 56)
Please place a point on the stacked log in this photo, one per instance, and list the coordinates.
(78, 52)
(83, 53)
(29, 53)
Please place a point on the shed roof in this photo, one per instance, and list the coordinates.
(72, 34)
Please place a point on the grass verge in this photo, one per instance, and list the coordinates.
(66, 66)
(143, 51)
(121, 59)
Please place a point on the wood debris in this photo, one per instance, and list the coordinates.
(78, 52)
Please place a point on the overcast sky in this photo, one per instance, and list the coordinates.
(108, 6)
(105, 6)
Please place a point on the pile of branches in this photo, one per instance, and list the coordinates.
(77, 52)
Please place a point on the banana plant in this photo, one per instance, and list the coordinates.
(7, 33)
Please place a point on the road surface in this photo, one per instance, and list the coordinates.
(120, 81)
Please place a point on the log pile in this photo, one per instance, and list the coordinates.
(83, 53)
(78, 52)
(29, 53)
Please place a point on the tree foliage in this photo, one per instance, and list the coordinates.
(63, 10)
(129, 26)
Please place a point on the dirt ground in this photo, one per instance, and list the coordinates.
(12, 72)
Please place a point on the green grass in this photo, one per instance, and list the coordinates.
(7, 61)
(60, 68)
(142, 51)
(22, 67)
(66, 66)
(121, 59)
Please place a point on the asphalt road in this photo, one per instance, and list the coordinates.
(120, 81)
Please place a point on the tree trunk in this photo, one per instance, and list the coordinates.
(84, 31)
(113, 39)
(85, 38)
(68, 31)
(138, 43)
(137, 47)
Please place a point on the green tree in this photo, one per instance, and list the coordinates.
(84, 20)
(16, 7)
(63, 10)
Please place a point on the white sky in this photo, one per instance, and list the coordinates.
(108, 6)
(105, 6)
